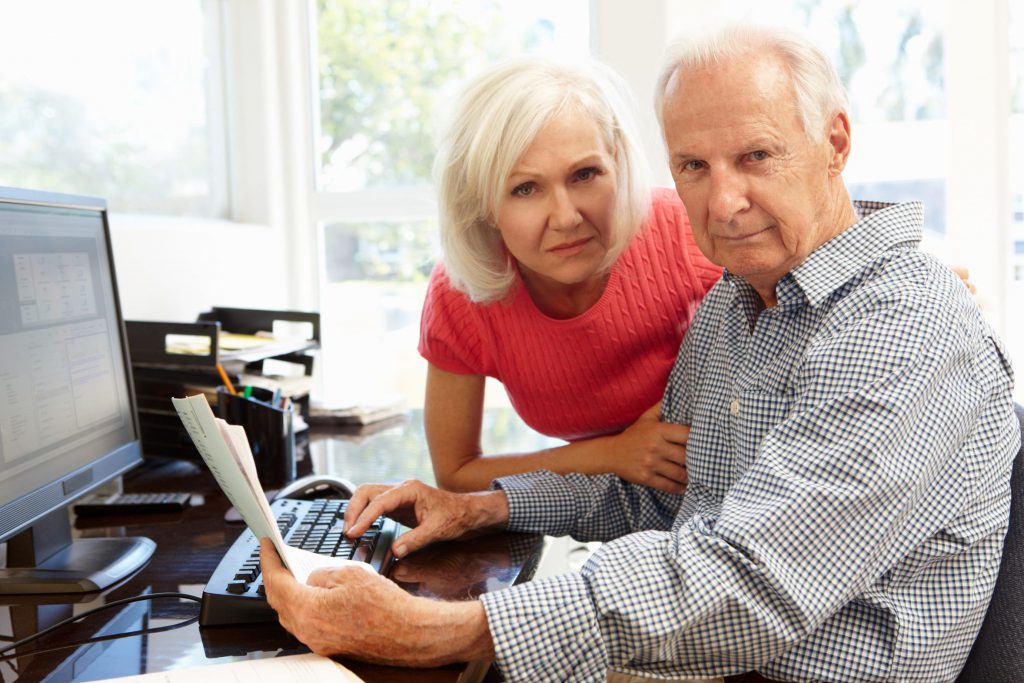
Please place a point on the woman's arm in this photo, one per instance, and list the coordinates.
(649, 452)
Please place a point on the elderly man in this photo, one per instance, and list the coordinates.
(851, 435)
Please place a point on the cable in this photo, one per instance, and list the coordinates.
(6, 659)
(70, 620)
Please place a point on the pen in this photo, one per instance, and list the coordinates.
(247, 391)
(227, 380)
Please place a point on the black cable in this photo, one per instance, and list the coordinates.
(70, 620)
(6, 659)
(9, 663)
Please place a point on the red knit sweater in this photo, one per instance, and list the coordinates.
(593, 374)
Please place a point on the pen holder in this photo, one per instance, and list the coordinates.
(269, 429)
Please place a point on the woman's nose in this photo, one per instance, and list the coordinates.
(564, 214)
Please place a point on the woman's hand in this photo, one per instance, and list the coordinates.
(650, 452)
(965, 275)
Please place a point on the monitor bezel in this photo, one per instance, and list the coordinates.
(24, 511)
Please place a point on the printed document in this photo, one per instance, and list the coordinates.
(226, 451)
(308, 668)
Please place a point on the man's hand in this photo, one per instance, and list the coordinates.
(348, 611)
(432, 514)
(652, 453)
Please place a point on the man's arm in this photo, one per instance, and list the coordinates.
(852, 479)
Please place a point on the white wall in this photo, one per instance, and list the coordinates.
(174, 268)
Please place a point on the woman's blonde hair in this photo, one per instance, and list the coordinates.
(493, 122)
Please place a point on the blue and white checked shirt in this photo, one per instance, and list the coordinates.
(849, 467)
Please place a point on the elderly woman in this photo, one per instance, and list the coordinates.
(564, 277)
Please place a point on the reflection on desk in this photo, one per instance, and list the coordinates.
(191, 543)
(396, 449)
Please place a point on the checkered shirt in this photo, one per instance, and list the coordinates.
(849, 461)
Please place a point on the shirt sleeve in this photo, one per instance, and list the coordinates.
(872, 460)
(450, 328)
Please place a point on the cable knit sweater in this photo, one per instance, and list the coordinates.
(595, 373)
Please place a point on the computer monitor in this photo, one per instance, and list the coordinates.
(67, 416)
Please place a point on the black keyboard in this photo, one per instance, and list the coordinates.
(132, 503)
(234, 594)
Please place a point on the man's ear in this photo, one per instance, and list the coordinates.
(839, 143)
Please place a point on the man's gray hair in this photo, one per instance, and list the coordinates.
(819, 92)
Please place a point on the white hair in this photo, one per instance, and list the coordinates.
(494, 121)
(819, 92)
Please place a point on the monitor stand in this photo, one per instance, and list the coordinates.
(45, 559)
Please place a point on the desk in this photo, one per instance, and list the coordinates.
(190, 544)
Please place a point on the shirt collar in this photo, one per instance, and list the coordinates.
(882, 227)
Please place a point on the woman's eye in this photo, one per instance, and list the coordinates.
(586, 173)
(524, 190)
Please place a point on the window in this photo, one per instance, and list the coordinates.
(383, 72)
(1014, 321)
(109, 98)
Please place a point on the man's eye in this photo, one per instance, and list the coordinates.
(692, 165)
(759, 155)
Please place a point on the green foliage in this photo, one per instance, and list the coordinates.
(399, 251)
(53, 143)
(382, 66)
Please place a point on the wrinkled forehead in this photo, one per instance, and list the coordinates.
(751, 94)
(746, 78)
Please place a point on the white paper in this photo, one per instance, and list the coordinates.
(225, 449)
(308, 668)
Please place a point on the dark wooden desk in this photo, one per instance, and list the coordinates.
(190, 544)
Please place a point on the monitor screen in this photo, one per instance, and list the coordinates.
(67, 419)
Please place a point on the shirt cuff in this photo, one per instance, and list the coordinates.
(546, 630)
(539, 502)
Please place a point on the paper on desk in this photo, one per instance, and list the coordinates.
(225, 449)
(308, 668)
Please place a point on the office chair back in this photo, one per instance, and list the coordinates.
(998, 652)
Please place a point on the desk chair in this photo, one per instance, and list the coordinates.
(998, 653)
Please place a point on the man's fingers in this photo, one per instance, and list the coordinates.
(360, 499)
(411, 541)
(387, 499)
(277, 578)
(269, 559)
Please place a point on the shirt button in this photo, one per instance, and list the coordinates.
(734, 407)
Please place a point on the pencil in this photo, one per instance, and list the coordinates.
(227, 380)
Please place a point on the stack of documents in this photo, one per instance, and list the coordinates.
(225, 449)
(344, 413)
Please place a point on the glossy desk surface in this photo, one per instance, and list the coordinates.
(191, 543)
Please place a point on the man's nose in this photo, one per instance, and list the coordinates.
(728, 195)
(563, 212)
